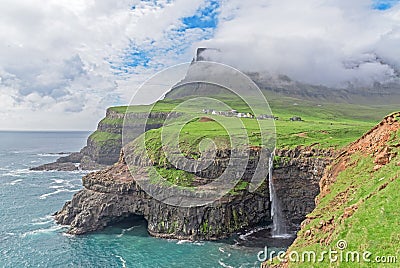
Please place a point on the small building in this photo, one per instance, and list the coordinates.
(296, 118)
(208, 111)
(267, 116)
(249, 115)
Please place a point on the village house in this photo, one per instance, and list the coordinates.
(296, 118)
(231, 113)
(267, 116)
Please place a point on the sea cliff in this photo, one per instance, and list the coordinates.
(112, 195)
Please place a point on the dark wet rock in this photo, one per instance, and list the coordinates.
(73, 158)
(57, 167)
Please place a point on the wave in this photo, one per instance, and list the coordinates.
(222, 250)
(65, 183)
(244, 236)
(127, 230)
(56, 186)
(43, 220)
(224, 264)
(14, 182)
(42, 231)
(123, 262)
(60, 184)
(52, 154)
(58, 180)
(18, 172)
(44, 196)
(68, 235)
(12, 174)
(181, 242)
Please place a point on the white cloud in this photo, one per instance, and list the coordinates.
(313, 41)
(59, 58)
(62, 62)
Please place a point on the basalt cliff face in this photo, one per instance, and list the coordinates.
(296, 176)
(113, 194)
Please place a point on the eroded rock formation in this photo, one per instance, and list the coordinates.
(104, 145)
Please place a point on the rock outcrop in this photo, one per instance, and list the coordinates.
(112, 195)
(103, 146)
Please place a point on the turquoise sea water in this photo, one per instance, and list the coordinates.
(30, 238)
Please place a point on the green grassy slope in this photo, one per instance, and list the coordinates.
(359, 204)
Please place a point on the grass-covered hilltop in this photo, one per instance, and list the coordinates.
(320, 125)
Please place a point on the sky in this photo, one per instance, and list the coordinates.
(62, 63)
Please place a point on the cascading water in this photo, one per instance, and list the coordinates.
(278, 223)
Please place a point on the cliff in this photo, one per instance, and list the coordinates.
(104, 145)
(357, 208)
(113, 194)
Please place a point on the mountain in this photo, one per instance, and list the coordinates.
(281, 85)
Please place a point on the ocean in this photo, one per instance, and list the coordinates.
(29, 236)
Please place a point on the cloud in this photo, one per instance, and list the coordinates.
(323, 42)
(63, 62)
(75, 58)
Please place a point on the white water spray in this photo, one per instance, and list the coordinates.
(278, 222)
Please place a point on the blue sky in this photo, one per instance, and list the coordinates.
(384, 4)
(205, 19)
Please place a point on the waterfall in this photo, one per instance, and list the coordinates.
(278, 223)
(271, 188)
